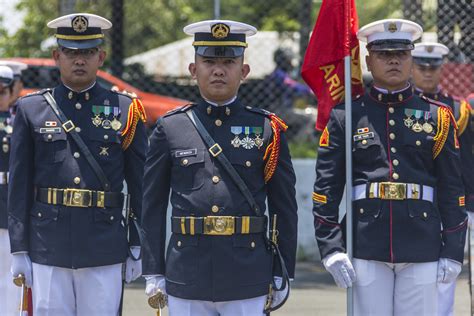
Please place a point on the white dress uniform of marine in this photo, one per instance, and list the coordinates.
(403, 148)
(65, 214)
(219, 260)
(430, 55)
(9, 293)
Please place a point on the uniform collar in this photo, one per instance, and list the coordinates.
(221, 111)
(84, 95)
(384, 96)
(232, 100)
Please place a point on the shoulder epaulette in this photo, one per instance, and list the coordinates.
(180, 109)
(435, 102)
(131, 95)
(39, 92)
(259, 111)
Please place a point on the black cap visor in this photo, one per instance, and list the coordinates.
(83, 44)
(5, 82)
(219, 51)
(428, 62)
(390, 45)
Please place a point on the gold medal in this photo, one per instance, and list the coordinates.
(427, 127)
(8, 129)
(408, 122)
(417, 127)
(258, 141)
(116, 124)
(106, 124)
(96, 120)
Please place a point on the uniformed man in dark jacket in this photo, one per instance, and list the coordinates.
(17, 68)
(403, 148)
(73, 147)
(9, 293)
(218, 258)
(428, 60)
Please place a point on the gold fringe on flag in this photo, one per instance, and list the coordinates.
(136, 112)
(273, 149)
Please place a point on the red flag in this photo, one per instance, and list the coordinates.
(333, 38)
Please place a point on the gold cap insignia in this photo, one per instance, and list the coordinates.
(429, 49)
(392, 28)
(220, 30)
(79, 24)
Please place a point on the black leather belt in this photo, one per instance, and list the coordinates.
(218, 225)
(79, 197)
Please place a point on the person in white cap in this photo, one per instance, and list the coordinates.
(9, 293)
(428, 59)
(220, 173)
(404, 148)
(17, 68)
(72, 150)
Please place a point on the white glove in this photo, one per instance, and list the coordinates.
(279, 296)
(470, 216)
(155, 283)
(339, 265)
(133, 268)
(21, 264)
(448, 270)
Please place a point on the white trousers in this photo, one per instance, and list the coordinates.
(9, 293)
(248, 307)
(395, 289)
(76, 292)
(446, 293)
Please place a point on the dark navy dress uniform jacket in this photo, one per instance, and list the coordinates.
(71, 237)
(391, 230)
(214, 268)
(4, 159)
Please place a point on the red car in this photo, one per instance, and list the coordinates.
(43, 73)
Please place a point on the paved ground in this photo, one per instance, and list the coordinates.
(313, 294)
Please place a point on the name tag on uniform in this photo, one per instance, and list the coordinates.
(186, 153)
(363, 136)
(50, 130)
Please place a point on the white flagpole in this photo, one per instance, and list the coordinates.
(348, 112)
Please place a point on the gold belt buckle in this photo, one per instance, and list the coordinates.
(392, 191)
(219, 225)
(77, 198)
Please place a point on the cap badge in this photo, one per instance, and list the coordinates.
(392, 27)
(79, 24)
(429, 49)
(220, 30)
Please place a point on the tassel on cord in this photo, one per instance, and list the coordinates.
(273, 149)
(136, 112)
